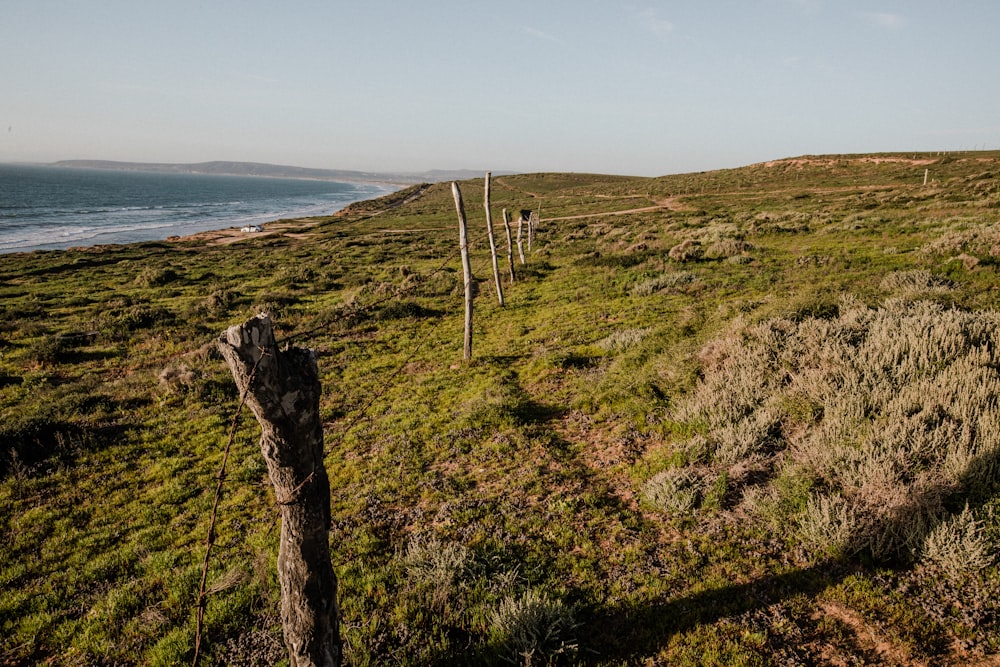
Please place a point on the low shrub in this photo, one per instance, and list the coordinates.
(437, 567)
(119, 323)
(176, 379)
(156, 277)
(219, 301)
(675, 491)
(915, 281)
(622, 339)
(532, 629)
(48, 349)
(726, 248)
(887, 409)
(686, 251)
(666, 281)
(958, 546)
(275, 304)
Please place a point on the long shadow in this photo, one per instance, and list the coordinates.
(37, 441)
(531, 412)
(629, 632)
(536, 269)
(499, 360)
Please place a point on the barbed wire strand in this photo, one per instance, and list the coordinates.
(210, 540)
(361, 413)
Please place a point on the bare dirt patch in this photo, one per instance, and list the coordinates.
(868, 637)
(829, 162)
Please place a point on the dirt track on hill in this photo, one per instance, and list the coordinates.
(670, 204)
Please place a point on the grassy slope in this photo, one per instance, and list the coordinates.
(464, 495)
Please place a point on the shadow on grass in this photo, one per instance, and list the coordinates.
(532, 412)
(630, 632)
(498, 360)
(534, 269)
(28, 445)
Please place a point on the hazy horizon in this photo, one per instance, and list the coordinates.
(647, 88)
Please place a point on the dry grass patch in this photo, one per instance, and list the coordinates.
(890, 414)
(917, 281)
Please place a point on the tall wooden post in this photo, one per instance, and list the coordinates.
(510, 246)
(520, 246)
(493, 245)
(537, 222)
(282, 389)
(531, 230)
(463, 245)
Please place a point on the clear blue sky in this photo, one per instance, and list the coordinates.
(646, 88)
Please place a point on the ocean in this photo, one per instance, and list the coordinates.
(44, 208)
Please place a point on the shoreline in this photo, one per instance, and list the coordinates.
(231, 235)
(137, 219)
(289, 227)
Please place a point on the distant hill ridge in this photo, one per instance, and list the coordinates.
(225, 168)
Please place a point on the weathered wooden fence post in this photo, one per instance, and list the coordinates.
(532, 221)
(538, 221)
(493, 245)
(510, 246)
(282, 389)
(463, 245)
(520, 246)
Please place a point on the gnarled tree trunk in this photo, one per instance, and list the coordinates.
(283, 391)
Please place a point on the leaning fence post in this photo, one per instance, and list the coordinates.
(510, 246)
(463, 245)
(282, 389)
(493, 245)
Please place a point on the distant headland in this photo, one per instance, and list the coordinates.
(224, 168)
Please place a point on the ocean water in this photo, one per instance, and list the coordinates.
(54, 208)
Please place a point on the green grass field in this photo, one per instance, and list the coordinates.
(742, 417)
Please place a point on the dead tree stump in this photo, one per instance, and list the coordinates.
(282, 389)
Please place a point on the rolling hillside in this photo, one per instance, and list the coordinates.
(748, 416)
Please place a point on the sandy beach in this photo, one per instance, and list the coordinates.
(230, 235)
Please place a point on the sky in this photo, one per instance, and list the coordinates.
(640, 88)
